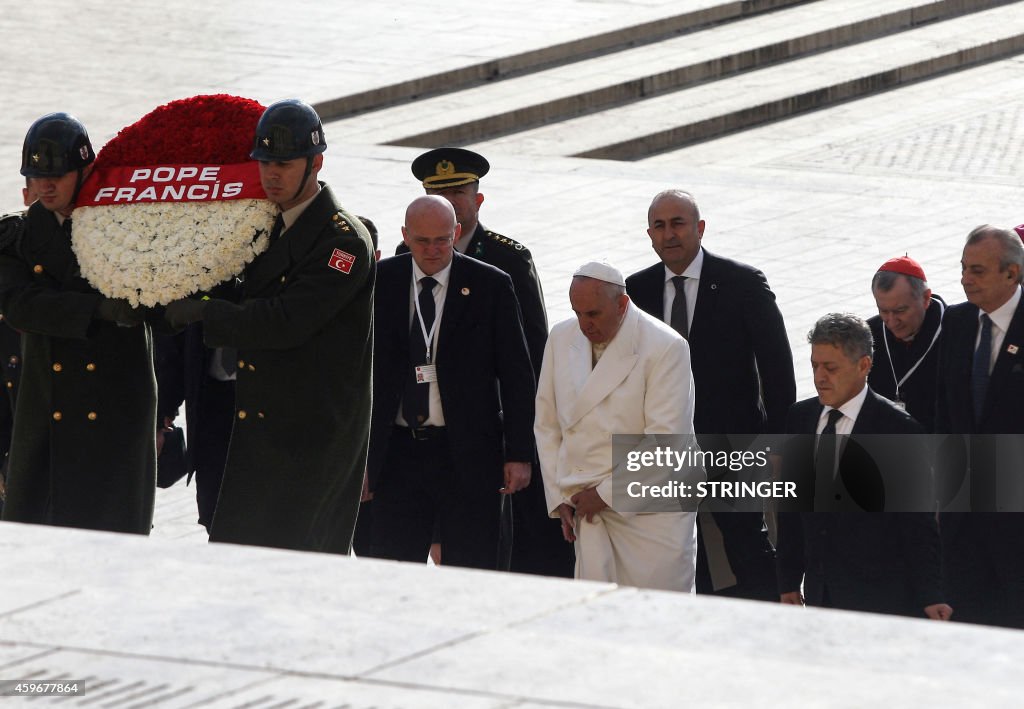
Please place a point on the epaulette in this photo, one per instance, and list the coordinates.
(11, 227)
(342, 222)
(506, 242)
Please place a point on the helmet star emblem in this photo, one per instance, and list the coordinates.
(266, 142)
(35, 157)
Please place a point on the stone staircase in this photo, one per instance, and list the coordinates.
(660, 86)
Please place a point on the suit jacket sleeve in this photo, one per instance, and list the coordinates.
(515, 374)
(789, 552)
(548, 431)
(919, 535)
(943, 379)
(169, 363)
(771, 351)
(531, 301)
(789, 548)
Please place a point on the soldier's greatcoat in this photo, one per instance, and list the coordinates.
(303, 330)
(83, 452)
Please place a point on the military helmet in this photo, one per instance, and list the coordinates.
(55, 145)
(287, 130)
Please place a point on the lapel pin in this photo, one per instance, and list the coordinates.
(1012, 349)
(465, 291)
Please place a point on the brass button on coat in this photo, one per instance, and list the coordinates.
(57, 415)
(242, 414)
(90, 367)
(91, 415)
(241, 364)
(57, 366)
(14, 359)
(37, 268)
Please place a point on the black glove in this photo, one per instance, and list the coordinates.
(182, 312)
(117, 310)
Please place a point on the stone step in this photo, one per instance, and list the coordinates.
(567, 91)
(686, 16)
(713, 109)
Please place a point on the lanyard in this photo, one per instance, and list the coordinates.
(428, 337)
(888, 352)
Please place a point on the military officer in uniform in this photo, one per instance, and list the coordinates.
(83, 453)
(10, 359)
(303, 332)
(454, 173)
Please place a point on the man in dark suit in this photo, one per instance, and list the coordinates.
(866, 560)
(455, 173)
(444, 443)
(189, 372)
(905, 333)
(742, 370)
(981, 377)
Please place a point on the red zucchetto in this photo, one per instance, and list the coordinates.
(905, 265)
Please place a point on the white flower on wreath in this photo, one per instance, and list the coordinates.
(151, 254)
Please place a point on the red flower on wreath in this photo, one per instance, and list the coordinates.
(215, 129)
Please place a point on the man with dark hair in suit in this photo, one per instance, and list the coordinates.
(742, 371)
(455, 173)
(452, 423)
(906, 332)
(866, 561)
(981, 387)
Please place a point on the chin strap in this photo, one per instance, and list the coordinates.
(78, 186)
(305, 177)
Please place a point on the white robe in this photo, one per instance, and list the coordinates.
(641, 385)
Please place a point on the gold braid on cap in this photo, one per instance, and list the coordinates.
(445, 176)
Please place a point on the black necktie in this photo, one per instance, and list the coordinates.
(278, 228)
(67, 226)
(827, 445)
(979, 368)
(416, 401)
(679, 320)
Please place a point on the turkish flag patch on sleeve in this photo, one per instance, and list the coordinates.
(341, 261)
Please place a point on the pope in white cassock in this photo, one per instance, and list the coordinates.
(613, 370)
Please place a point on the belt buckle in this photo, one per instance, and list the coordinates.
(419, 434)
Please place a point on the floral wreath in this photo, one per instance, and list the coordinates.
(174, 205)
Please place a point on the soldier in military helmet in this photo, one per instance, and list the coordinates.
(83, 452)
(455, 173)
(302, 330)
